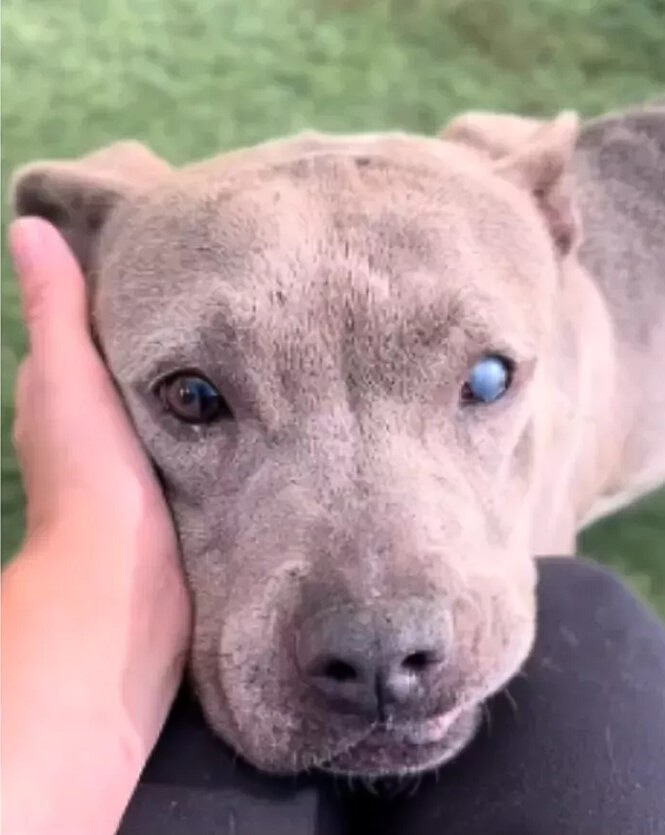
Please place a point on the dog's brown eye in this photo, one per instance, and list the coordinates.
(192, 399)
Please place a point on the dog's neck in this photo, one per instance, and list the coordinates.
(620, 168)
(614, 323)
(582, 425)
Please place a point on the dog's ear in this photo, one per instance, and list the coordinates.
(533, 154)
(78, 196)
(496, 134)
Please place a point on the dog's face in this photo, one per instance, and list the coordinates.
(336, 351)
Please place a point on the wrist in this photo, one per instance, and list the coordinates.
(83, 775)
(68, 739)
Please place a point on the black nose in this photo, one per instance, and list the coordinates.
(370, 663)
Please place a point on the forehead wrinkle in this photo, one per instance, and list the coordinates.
(420, 310)
(188, 330)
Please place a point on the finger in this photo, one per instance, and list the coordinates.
(22, 384)
(53, 294)
(22, 397)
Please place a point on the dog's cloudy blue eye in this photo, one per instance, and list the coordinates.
(490, 378)
(192, 398)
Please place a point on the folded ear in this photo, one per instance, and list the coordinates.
(496, 134)
(78, 196)
(535, 155)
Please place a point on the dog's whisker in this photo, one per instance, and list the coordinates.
(510, 699)
(487, 717)
(416, 785)
(370, 786)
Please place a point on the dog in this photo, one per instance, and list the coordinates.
(377, 374)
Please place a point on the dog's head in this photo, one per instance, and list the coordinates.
(336, 351)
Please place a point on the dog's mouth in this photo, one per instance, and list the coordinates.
(409, 747)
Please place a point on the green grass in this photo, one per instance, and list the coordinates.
(191, 77)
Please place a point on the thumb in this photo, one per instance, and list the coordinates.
(53, 293)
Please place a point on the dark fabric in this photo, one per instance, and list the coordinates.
(194, 785)
(577, 747)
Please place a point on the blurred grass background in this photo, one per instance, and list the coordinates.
(192, 77)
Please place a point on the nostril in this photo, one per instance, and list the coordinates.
(417, 662)
(338, 670)
(346, 685)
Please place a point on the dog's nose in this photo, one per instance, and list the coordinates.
(376, 664)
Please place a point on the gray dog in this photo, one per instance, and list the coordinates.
(378, 373)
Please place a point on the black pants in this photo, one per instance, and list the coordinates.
(576, 748)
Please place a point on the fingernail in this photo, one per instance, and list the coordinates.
(26, 240)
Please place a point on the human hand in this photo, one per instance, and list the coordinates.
(95, 612)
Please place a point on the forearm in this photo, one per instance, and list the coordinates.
(71, 753)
